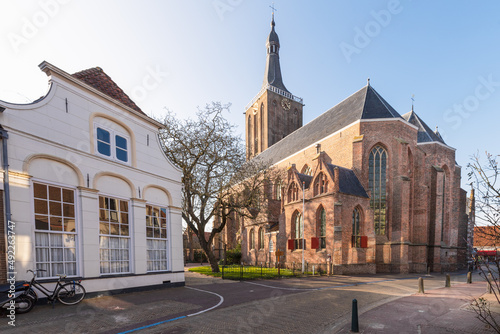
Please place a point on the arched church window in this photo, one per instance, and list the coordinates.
(278, 189)
(297, 230)
(261, 238)
(321, 216)
(377, 183)
(293, 192)
(320, 184)
(356, 238)
(252, 239)
(307, 170)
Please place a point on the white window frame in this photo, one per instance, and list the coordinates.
(129, 237)
(77, 244)
(167, 239)
(112, 135)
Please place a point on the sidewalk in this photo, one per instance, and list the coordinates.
(443, 310)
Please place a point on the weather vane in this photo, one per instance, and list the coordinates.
(412, 100)
(274, 9)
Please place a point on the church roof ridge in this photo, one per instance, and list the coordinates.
(366, 103)
(425, 134)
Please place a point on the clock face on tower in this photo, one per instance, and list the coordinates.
(285, 103)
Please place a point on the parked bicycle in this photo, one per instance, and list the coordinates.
(68, 293)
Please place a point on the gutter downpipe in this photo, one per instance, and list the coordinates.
(5, 162)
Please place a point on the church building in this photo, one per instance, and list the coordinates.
(366, 189)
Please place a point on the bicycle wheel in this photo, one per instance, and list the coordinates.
(71, 293)
(24, 304)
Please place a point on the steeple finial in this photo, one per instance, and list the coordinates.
(274, 10)
(412, 100)
(368, 82)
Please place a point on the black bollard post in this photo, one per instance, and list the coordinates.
(469, 278)
(354, 320)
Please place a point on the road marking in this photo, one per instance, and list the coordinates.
(152, 325)
(181, 317)
(208, 309)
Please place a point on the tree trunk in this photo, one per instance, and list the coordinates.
(190, 244)
(213, 261)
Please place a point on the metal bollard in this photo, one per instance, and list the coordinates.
(313, 270)
(448, 281)
(490, 279)
(421, 285)
(469, 278)
(354, 320)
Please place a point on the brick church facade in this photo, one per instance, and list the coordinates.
(366, 189)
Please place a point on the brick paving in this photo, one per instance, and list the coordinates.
(307, 305)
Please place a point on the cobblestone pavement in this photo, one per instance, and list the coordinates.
(298, 305)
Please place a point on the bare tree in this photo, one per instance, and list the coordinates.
(486, 184)
(216, 179)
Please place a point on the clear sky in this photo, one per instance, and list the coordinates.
(184, 54)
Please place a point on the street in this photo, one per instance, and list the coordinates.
(387, 303)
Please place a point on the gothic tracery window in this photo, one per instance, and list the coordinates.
(356, 238)
(320, 184)
(377, 180)
(322, 227)
(293, 192)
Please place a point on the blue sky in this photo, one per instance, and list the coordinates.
(183, 54)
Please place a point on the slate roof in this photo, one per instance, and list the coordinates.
(96, 78)
(348, 181)
(425, 134)
(272, 74)
(305, 178)
(364, 104)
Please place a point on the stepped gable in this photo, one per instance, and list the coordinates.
(348, 181)
(96, 78)
(364, 104)
(425, 134)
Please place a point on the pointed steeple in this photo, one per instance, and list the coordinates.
(272, 76)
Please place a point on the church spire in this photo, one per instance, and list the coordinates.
(272, 75)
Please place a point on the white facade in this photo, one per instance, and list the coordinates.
(60, 179)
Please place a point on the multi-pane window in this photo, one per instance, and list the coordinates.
(55, 230)
(320, 184)
(157, 238)
(298, 233)
(278, 189)
(356, 238)
(307, 170)
(293, 192)
(112, 145)
(252, 239)
(261, 238)
(114, 235)
(377, 185)
(322, 228)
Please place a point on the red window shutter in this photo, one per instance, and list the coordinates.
(314, 243)
(291, 244)
(364, 242)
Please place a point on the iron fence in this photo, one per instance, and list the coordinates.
(262, 271)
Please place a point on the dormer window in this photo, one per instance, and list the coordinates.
(112, 144)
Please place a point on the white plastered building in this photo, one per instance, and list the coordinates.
(89, 189)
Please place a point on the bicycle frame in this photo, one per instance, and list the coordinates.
(51, 295)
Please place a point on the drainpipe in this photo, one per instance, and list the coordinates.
(5, 161)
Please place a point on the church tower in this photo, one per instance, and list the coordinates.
(275, 112)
